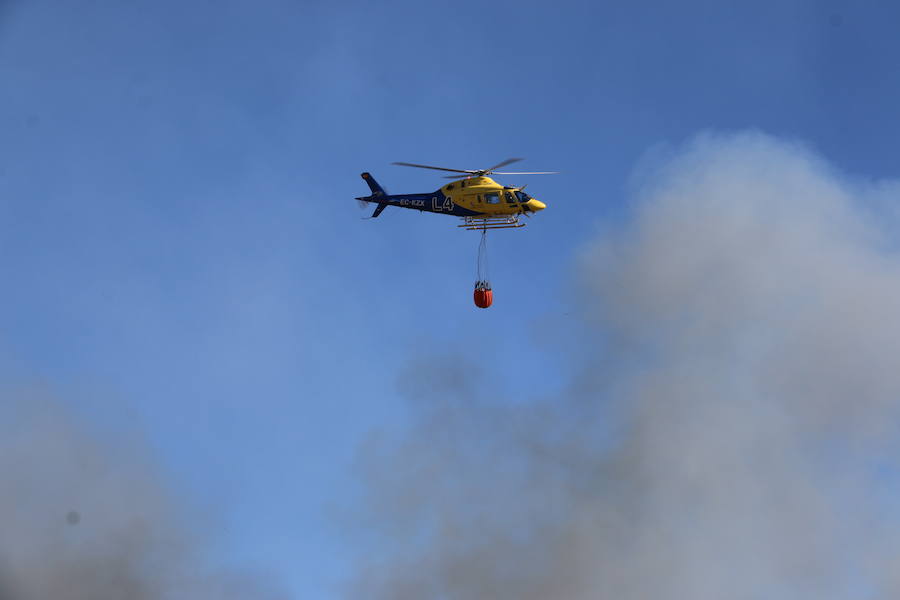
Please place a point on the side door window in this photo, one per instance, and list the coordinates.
(492, 198)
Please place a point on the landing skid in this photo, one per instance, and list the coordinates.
(496, 222)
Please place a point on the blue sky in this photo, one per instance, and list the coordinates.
(182, 256)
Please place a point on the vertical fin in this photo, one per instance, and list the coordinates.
(378, 209)
(377, 190)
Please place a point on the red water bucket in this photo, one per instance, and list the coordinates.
(484, 295)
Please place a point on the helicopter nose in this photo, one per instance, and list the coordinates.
(536, 205)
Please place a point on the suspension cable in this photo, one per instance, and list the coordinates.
(482, 262)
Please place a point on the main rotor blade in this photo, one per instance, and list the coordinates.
(526, 173)
(406, 164)
(508, 161)
(504, 173)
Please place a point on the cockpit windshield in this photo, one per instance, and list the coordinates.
(522, 196)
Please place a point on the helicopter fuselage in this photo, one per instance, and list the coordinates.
(472, 197)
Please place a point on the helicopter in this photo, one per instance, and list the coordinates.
(480, 201)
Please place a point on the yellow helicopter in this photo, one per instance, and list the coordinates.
(480, 201)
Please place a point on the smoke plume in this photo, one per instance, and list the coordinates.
(83, 517)
(733, 432)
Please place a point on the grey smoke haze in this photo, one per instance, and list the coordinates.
(733, 433)
(86, 517)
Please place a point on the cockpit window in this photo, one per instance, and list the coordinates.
(522, 196)
(509, 198)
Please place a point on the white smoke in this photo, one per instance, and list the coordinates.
(85, 517)
(733, 434)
